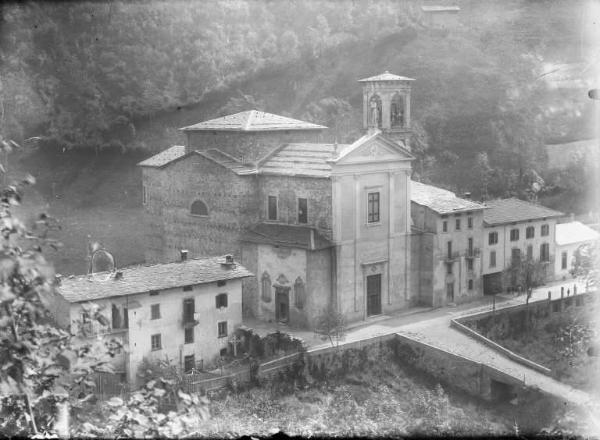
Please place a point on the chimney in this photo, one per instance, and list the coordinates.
(184, 254)
(467, 196)
(118, 275)
(228, 259)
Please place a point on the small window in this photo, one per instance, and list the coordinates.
(155, 342)
(189, 363)
(188, 335)
(444, 226)
(449, 249)
(470, 222)
(470, 284)
(302, 210)
(144, 195)
(155, 311)
(153, 292)
(457, 224)
(563, 260)
(530, 252)
(223, 352)
(492, 258)
(189, 308)
(530, 232)
(449, 268)
(221, 300)
(493, 238)
(470, 264)
(299, 293)
(545, 230)
(116, 317)
(514, 234)
(222, 329)
(470, 246)
(545, 252)
(265, 287)
(221, 283)
(199, 208)
(188, 288)
(272, 208)
(515, 255)
(373, 207)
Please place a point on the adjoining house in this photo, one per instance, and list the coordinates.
(183, 311)
(516, 229)
(570, 237)
(446, 247)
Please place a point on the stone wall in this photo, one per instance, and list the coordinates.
(288, 190)
(231, 201)
(247, 145)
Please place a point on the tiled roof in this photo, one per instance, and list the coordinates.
(512, 210)
(386, 76)
(164, 157)
(286, 235)
(140, 279)
(253, 120)
(574, 232)
(440, 200)
(228, 161)
(300, 159)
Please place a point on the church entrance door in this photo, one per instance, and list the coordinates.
(374, 295)
(282, 304)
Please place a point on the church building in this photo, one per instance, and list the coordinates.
(319, 224)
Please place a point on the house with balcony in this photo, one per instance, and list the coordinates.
(515, 229)
(184, 311)
(445, 252)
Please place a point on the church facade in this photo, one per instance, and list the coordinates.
(320, 225)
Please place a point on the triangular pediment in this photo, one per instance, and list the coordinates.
(373, 148)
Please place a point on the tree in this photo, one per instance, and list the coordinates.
(331, 325)
(586, 264)
(525, 274)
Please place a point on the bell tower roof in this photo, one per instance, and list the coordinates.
(386, 76)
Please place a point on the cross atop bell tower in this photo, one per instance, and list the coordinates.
(386, 106)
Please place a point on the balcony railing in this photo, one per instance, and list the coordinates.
(472, 253)
(451, 257)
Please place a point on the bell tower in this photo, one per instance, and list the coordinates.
(386, 106)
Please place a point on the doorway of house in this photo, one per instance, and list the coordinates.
(282, 304)
(450, 292)
(374, 295)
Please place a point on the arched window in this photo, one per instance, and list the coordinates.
(299, 293)
(266, 287)
(397, 111)
(375, 111)
(199, 208)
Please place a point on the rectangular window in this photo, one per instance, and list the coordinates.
(514, 234)
(221, 283)
(457, 224)
(470, 264)
(470, 222)
(188, 288)
(515, 255)
(530, 252)
(272, 208)
(155, 342)
(449, 249)
(189, 362)
(189, 308)
(470, 284)
(222, 329)
(470, 246)
(125, 317)
(373, 207)
(545, 252)
(302, 210)
(563, 260)
(492, 258)
(221, 300)
(530, 232)
(444, 226)
(144, 195)
(153, 292)
(449, 268)
(188, 336)
(545, 230)
(155, 311)
(492, 238)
